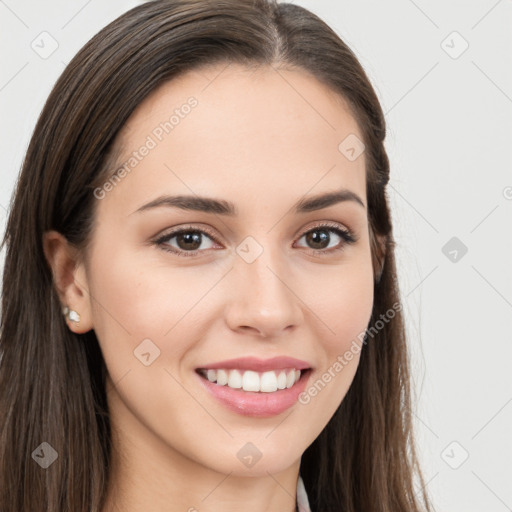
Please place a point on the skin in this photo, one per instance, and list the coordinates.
(263, 139)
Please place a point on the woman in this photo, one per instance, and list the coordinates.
(200, 306)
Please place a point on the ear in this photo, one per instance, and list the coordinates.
(378, 244)
(69, 278)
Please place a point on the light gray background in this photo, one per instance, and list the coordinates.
(449, 139)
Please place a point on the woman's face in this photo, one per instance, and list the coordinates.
(253, 276)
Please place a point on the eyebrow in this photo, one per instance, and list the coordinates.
(223, 207)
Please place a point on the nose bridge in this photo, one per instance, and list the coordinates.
(263, 298)
(266, 278)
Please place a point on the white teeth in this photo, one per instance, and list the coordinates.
(222, 377)
(235, 379)
(290, 378)
(249, 380)
(268, 382)
(281, 380)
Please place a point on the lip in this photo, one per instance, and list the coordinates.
(255, 403)
(259, 365)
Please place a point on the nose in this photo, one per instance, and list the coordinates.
(263, 301)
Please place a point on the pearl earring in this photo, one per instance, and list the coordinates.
(72, 315)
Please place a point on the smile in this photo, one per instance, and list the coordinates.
(250, 380)
(259, 399)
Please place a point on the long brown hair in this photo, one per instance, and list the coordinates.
(52, 381)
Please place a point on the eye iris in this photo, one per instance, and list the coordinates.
(189, 238)
(318, 240)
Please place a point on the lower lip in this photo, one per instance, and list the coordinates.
(258, 404)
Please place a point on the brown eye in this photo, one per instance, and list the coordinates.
(185, 242)
(188, 240)
(320, 238)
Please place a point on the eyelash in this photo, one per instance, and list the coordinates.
(345, 234)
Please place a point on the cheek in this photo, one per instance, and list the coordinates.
(178, 307)
(342, 302)
(142, 298)
(343, 305)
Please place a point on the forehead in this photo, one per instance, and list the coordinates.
(288, 94)
(223, 128)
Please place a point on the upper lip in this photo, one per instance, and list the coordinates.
(262, 365)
